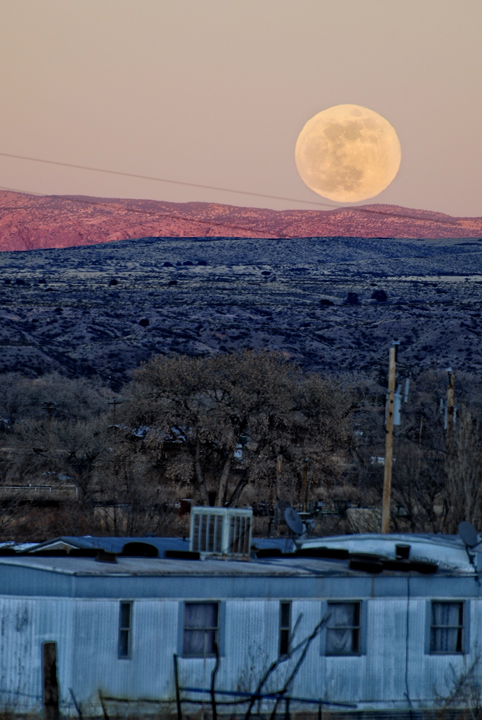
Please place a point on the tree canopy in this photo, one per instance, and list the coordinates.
(232, 417)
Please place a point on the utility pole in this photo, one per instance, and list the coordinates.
(387, 480)
(114, 404)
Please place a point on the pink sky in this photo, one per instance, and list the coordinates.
(215, 92)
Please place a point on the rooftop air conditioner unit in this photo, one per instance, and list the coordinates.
(221, 531)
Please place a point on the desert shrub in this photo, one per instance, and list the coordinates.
(379, 295)
(352, 299)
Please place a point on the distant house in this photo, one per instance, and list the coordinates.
(100, 621)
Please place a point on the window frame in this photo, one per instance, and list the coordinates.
(218, 634)
(360, 627)
(463, 627)
(125, 629)
(284, 636)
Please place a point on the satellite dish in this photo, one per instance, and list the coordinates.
(293, 521)
(468, 534)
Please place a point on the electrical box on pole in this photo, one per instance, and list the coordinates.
(397, 405)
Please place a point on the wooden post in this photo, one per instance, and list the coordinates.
(450, 408)
(387, 480)
(304, 489)
(50, 685)
(279, 470)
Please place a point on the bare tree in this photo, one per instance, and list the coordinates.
(437, 472)
(54, 441)
(67, 398)
(135, 496)
(464, 472)
(60, 454)
(221, 422)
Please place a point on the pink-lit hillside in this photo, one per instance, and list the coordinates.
(29, 222)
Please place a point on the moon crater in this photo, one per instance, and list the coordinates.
(348, 153)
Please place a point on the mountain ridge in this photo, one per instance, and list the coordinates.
(31, 222)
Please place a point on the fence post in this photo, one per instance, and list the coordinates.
(178, 694)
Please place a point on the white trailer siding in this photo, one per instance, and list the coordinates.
(75, 603)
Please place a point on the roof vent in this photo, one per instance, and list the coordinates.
(140, 550)
(221, 531)
(105, 556)
(402, 552)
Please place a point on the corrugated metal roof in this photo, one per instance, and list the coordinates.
(446, 552)
(127, 566)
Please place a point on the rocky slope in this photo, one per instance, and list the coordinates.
(30, 222)
(331, 304)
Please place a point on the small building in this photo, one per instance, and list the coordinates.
(395, 623)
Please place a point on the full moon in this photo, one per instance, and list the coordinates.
(347, 153)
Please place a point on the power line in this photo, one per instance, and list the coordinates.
(368, 210)
(164, 180)
(156, 213)
(22, 192)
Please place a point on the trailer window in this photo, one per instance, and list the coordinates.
(343, 628)
(201, 629)
(125, 628)
(284, 628)
(447, 627)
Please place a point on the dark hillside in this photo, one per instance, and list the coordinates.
(329, 303)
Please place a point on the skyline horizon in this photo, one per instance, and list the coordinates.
(212, 97)
(315, 207)
(31, 222)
